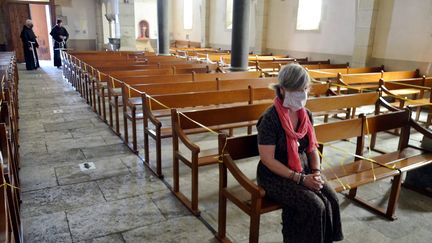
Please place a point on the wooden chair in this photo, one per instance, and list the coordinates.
(190, 122)
(247, 195)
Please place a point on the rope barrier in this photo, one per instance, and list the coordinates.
(344, 186)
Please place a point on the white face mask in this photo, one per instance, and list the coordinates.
(295, 100)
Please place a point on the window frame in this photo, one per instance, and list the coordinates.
(318, 29)
(227, 4)
(191, 18)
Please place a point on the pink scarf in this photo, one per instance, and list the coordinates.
(292, 136)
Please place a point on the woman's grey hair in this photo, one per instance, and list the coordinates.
(292, 77)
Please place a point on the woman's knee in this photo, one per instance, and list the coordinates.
(314, 204)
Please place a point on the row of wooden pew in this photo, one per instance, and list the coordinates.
(216, 101)
(10, 222)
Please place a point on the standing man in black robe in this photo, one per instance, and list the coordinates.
(60, 36)
(30, 44)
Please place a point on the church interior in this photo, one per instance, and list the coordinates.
(144, 121)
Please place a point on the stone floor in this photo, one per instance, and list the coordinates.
(121, 201)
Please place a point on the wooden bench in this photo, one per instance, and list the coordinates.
(185, 43)
(180, 87)
(332, 73)
(362, 81)
(188, 123)
(10, 175)
(325, 106)
(325, 66)
(134, 92)
(421, 88)
(172, 70)
(10, 226)
(156, 107)
(251, 199)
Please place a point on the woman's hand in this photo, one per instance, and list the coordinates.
(313, 181)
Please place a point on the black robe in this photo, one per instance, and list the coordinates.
(56, 32)
(29, 41)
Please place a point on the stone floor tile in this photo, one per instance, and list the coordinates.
(53, 158)
(169, 205)
(47, 228)
(37, 177)
(183, 229)
(106, 151)
(114, 238)
(131, 185)
(112, 217)
(55, 199)
(71, 143)
(105, 168)
(57, 126)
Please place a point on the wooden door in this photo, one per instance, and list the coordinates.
(17, 14)
(38, 15)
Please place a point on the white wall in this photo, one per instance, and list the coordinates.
(336, 34)
(220, 36)
(178, 32)
(146, 10)
(404, 31)
(81, 19)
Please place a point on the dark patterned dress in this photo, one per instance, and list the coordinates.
(307, 216)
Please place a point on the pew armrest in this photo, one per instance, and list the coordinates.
(420, 129)
(242, 179)
(387, 105)
(195, 149)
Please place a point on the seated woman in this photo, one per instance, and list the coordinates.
(289, 169)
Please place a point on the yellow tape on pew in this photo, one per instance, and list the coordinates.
(5, 184)
(389, 95)
(158, 102)
(360, 157)
(344, 186)
(408, 85)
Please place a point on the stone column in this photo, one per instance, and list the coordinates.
(99, 26)
(366, 15)
(205, 23)
(261, 16)
(127, 25)
(240, 35)
(163, 27)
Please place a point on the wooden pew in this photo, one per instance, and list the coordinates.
(371, 80)
(180, 100)
(157, 106)
(341, 104)
(398, 89)
(98, 81)
(10, 226)
(332, 73)
(10, 177)
(216, 119)
(172, 70)
(113, 94)
(251, 199)
(132, 92)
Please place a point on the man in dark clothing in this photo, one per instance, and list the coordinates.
(60, 36)
(30, 44)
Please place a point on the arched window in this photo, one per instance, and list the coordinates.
(309, 14)
(229, 14)
(187, 14)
